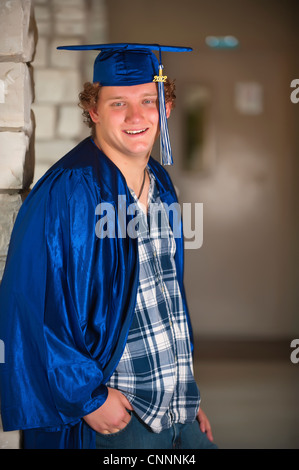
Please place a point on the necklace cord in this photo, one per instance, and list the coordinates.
(142, 186)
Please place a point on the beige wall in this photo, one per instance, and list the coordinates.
(242, 281)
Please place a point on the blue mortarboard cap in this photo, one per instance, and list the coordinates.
(124, 64)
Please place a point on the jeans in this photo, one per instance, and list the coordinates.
(136, 435)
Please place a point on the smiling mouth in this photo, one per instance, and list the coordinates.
(141, 131)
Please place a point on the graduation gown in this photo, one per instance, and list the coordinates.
(67, 299)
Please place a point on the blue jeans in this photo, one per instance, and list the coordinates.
(136, 435)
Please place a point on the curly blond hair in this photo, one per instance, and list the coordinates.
(88, 98)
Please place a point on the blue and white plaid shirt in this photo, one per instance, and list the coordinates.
(155, 372)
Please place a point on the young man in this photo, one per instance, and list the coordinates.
(93, 315)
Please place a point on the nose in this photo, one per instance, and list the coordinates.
(134, 113)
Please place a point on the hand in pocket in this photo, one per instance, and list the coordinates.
(112, 416)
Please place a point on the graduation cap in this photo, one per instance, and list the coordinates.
(123, 64)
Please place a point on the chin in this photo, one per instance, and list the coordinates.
(141, 151)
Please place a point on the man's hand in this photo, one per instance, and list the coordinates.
(112, 416)
(204, 424)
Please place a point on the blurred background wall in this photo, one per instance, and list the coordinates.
(242, 282)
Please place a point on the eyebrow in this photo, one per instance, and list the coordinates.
(144, 95)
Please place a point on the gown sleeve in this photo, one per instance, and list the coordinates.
(53, 318)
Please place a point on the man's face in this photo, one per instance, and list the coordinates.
(127, 120)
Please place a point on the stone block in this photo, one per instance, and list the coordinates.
(10, 205)
(2, 266)
(70, 28)
(40, 58)
(42, 13)
(61, 58)
(57, 86)
(72, 3)
(70, 12)
(45, 118)
(39, 171)
(16, 161)
(15, 95)
(18, 29)
(44, 28)
(48, 153)
(70, 122)
(10, 440)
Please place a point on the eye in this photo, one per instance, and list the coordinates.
(150, 101)
(118, 104)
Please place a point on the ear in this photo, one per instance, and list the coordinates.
(168, 107)
(94, 114)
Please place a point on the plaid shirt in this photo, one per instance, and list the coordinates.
(155, 372)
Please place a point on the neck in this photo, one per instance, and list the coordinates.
(132, 167)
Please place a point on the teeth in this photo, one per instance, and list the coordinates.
(135, 132)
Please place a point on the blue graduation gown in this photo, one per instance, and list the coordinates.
(67, 299)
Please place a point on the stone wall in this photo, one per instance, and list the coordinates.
(59, 75)
(17, 46)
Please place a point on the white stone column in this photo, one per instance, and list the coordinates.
(17, 46)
